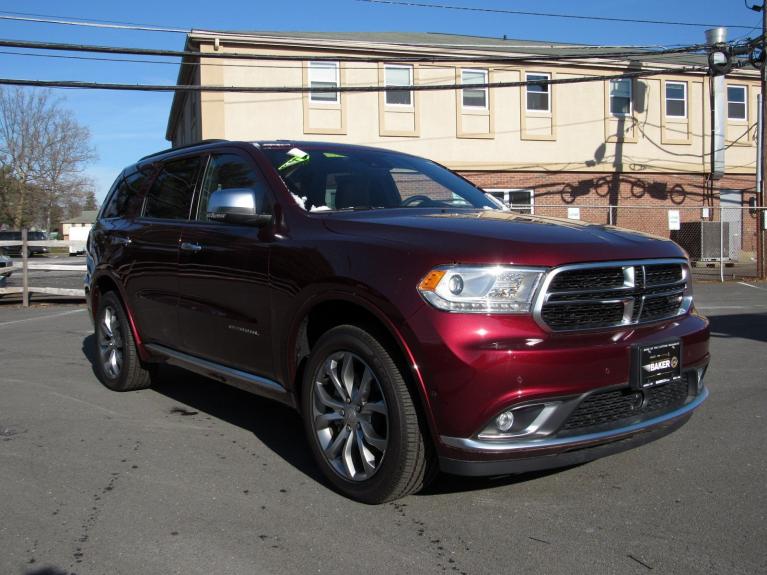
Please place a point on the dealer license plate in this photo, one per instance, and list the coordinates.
(657, 364)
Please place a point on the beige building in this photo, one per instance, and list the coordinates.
(632, 142)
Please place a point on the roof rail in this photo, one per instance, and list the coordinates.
(167, 150)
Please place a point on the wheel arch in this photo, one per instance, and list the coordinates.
(104, 283)
(320, 315)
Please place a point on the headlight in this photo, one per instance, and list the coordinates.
(481, 289)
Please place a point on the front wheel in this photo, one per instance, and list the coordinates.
(117, 362)
(361, 419)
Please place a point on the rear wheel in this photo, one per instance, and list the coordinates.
(361, 419)
(117, 362)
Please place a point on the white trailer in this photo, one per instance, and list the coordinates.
(78, 234)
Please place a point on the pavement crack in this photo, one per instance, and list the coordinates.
(642, 563)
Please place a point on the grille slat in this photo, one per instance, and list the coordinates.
(610, 296)
(616, 407)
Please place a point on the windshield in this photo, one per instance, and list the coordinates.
(362, 179)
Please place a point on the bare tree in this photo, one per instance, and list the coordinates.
(43, 152)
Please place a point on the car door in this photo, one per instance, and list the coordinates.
(152, 250)
(224, 303)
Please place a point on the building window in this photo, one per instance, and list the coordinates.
(517, 200)
(676, 99)
(398, 76)
(736, 103)
(620, 97)
(323, 75)
(474, 97)
(538, 94)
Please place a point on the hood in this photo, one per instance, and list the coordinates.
(469, 236)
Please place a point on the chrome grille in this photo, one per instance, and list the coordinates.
(593, 296)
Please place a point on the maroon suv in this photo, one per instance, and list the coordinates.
(415, 323)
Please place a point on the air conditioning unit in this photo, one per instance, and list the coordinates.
(703, 240)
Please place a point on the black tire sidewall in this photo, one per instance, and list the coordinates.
(117, 383)
(363, 344)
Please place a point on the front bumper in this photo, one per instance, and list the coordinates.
(521, 456)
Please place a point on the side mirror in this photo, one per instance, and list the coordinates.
(239, 206)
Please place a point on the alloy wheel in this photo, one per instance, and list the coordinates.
(110, 343)
(350, 416)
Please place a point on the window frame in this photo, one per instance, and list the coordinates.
(527, 209)
(315, 65)
(744, 103)
(630, 112)
(666, 99)
(410, 93)
(546, 90)
(486, 73)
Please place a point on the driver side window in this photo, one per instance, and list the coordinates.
(227, 171)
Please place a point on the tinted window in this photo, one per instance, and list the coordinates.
(227, 171)
(126, 196)
(170, 197)
(360, 178)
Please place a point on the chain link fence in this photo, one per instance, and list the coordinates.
(721, 241)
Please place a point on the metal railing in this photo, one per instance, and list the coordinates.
(26, 266)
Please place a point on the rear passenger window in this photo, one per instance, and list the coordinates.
(170, 197)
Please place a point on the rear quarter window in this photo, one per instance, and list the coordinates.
(126, 195)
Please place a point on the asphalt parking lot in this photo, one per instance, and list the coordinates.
(195, 477)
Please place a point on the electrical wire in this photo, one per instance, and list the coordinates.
(338, 58)
(546, 14)
(114, 24)
(340, 89)
(69, 21)
(433, 66)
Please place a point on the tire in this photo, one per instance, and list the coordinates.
(361, 420)
(117, 362)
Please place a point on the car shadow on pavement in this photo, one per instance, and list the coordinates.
(445, 483)
(742, 325)
(47, 571)
(279, 427)
(276, 425)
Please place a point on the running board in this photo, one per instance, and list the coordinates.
(234, 377)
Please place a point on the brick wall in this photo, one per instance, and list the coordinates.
(642, 200)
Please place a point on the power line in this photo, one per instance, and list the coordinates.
(430, 65)
(122, 25)
(546, 14)
(70, 21)
(345, 89)
(338, 58)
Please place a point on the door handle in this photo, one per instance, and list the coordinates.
(121, 240)
(190, 247)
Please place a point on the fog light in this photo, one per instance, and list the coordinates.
(504, 421)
